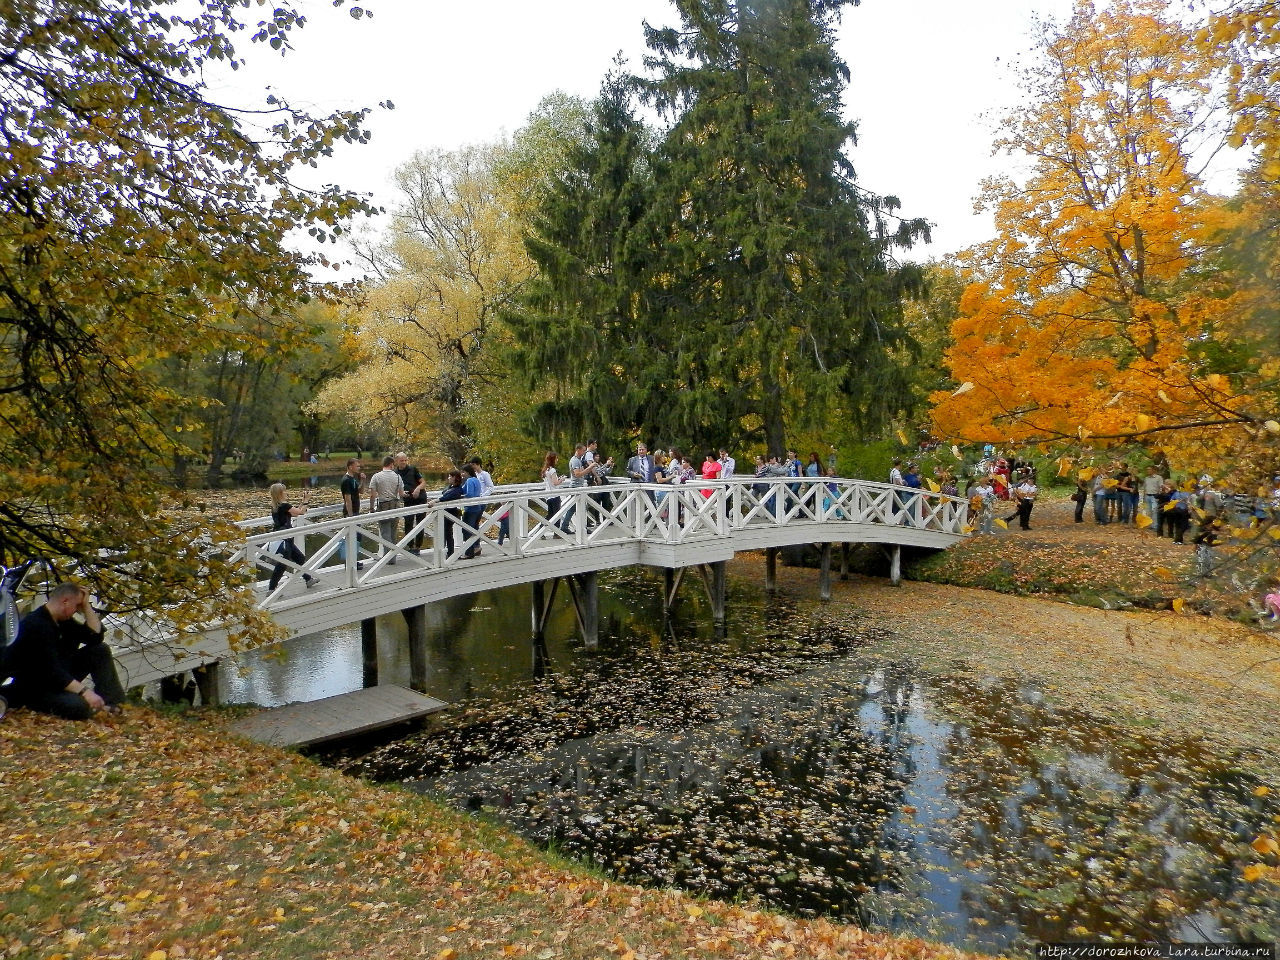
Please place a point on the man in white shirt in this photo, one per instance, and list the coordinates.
(1151, 484)
(386, 492)
(727, 464)
(1026, 493)
(486, 481)
(895, 472)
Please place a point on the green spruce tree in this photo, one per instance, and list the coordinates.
(581, 330)
(776, 279)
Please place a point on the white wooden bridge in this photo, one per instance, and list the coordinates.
(359, 574)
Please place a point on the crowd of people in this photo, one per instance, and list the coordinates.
(1121, 496)
(401, 484)
(60, 664)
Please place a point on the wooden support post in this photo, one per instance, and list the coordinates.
(844, 561)
(589, 595)
(539, 608)
(415, 619)
(369, 650)
(671, 580)
(771, 570)
(209, 683)
(713, 579)
(824, 573)
(895, 565)
(538, 644)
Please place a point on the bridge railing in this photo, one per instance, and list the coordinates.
(528, 521)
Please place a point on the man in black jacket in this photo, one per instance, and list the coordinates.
(55, 653)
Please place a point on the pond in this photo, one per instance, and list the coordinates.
(786, 763)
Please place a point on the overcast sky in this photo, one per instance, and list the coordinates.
(925, 72)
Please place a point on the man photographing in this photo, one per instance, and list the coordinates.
(55, 654)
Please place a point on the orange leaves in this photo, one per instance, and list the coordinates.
(1078, 318)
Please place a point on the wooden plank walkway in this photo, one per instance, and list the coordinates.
(348, 714)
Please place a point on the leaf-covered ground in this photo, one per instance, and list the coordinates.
(1109, 566)
(156, 835)
(1086, 562)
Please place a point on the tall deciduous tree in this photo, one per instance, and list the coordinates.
(130, 204)
(1094, 310)
(449, 263)
(1248, 31)
(778, 291)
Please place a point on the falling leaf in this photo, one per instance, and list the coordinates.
(1272, 426)
(1143, 521)
(1253, 873)
(902, 437)
(955, 452)
(1265, 845)
(932, 486)
(1000, 523)
(963, 388)
(1164, 397)
(1261, 791)
(1178, 604)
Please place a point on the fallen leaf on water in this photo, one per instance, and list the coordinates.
(1265, 845)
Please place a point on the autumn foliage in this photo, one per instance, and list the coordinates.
(1109, 305)
(136, 216)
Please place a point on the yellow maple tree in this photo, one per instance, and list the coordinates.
(1092, 314)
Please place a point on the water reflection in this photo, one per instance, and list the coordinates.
(480, 645)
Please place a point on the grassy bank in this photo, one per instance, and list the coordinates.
(1110, 566)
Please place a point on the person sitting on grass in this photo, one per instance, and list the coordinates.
(54, 654)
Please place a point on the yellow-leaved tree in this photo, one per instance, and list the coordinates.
(447, 265)
(136, 213)
(1097, 311)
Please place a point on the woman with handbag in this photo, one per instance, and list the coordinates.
(282, 514)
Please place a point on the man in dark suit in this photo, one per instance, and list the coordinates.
(640, 467)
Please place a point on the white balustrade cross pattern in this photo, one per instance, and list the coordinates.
(525, 533)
